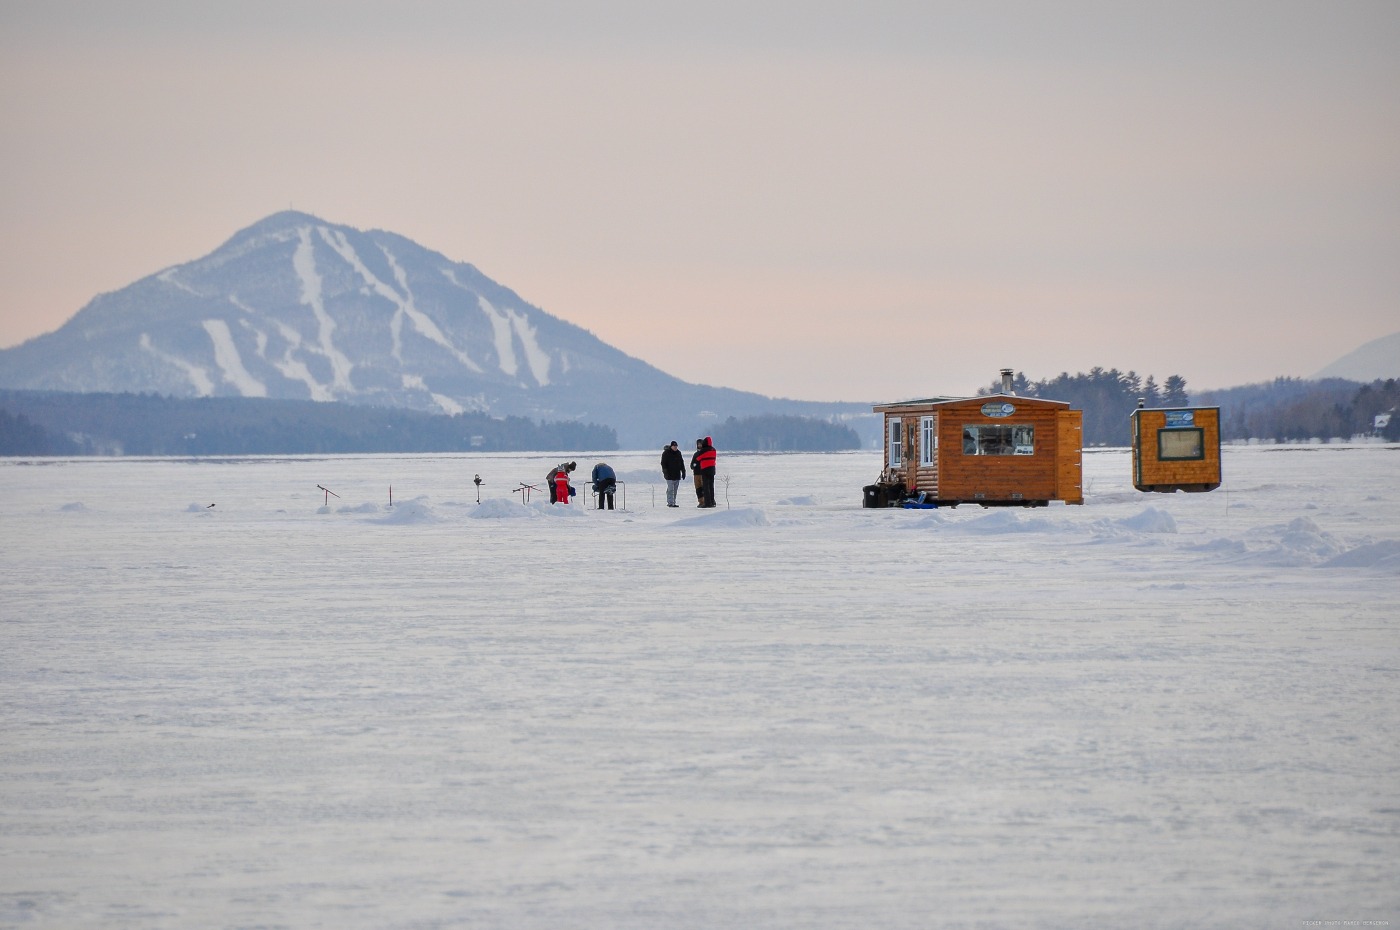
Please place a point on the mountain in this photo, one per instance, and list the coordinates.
(1377, 360)
(297, 308)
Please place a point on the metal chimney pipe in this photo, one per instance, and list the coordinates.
(1006, 381)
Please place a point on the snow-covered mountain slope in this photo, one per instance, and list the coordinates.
(1378, 359)
(295, 307)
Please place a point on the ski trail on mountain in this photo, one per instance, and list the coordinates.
(507, 325)
(230, 362)
(405, 308)
(203, 386)
(304, 261)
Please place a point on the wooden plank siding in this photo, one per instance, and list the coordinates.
(927, 480)
(916, 476)
(925, 476)
(1053, 470)
(975, 478)
(1069, 456)
(1152, 473)
(911, 452)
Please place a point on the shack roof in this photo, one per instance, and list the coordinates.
(941, 401)
(1167, 410)
(925, 402)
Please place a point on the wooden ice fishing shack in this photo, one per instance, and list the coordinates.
(1176, 449)
(993, 450)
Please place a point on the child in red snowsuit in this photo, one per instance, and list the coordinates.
(561, 488)
(551, 481)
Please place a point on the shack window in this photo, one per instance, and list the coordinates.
(928, 441)
(1181, 444)
(896, 445)
(998, 440)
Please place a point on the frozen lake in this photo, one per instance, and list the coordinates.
(790, 712)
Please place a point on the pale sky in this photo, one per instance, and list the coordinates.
(860, 201)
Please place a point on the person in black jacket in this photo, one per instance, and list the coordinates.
(673, 470)
(695, 470)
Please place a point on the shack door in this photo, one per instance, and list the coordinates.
(1069, 456)
(897, 447)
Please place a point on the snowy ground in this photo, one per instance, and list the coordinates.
(1149, 711)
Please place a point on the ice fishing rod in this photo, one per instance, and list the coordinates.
(329, 494)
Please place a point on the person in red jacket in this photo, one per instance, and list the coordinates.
(551, 480)
(561, 488)
(705, 458)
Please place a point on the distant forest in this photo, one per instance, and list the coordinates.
(1292, 409)
(48, 423)
(777, 433)
(1283, 410)
(58, 424)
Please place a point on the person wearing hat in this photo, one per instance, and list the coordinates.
(673, 470)
(552, 480)
(695, 470)
(706, 458)
(562, 489)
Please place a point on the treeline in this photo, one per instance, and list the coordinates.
(1107, 398)
(20, 436)
(1292, 409)
(780, 433)
(1283, 410)
(48, 423)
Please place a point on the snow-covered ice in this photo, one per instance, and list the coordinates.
(230, 700)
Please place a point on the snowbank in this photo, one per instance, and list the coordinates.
(918, 519)
(502, 508)
(726, 519)
(1151, 520)
(409, 512)
(1383, 555)
(1221, 546)
(1298, 543)
(571, 511)
(806, 500)
(1005, 521)
(509, 508)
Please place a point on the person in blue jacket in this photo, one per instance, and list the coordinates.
(604, 484)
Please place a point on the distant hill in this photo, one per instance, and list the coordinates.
(775, 433)
(56, 423)
(295, 308)
(1377, 360)
(1294, 409)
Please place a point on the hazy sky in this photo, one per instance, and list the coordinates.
(855, 201)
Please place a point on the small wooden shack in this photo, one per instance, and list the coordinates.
(993, 450)
(1176, 449)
